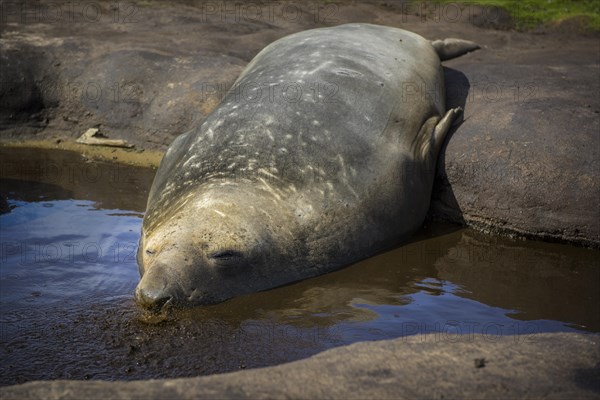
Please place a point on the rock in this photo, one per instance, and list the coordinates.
(91, 137)
(545, 366)
(22, 100)
(526, 159)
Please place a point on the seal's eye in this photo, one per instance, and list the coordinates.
(149, 252)
(227, 258)
(224, 255)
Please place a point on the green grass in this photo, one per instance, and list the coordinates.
(529, 14)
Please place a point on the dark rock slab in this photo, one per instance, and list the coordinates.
(545, 366)
(527, 157)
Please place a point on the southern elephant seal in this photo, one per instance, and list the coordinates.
(318, 157)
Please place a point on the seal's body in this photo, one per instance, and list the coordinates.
(322, 154)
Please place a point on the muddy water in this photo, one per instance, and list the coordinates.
(69, 230)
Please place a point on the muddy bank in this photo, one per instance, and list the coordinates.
(417, 367)
(140, 158)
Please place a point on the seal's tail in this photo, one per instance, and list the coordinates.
(451, 48)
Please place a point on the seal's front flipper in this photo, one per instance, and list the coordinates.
(433, 132)
(452, 48)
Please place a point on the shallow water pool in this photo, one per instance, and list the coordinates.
(68, 235)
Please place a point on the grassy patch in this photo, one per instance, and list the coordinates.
(529, 14)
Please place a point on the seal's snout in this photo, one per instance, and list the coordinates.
(154, 292)
(151, 298)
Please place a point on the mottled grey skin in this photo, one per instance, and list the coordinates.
(275, 187)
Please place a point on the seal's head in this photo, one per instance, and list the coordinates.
(212, 247)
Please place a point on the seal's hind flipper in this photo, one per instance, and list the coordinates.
(433, 132)
(442, 128)
(452, 48)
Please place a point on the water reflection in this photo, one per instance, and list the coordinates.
(538, 281)
(33, 175)
(457, 278)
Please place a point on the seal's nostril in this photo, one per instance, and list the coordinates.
(160, 303)
(151, 299)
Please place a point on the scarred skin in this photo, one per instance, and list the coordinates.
(323, 155)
